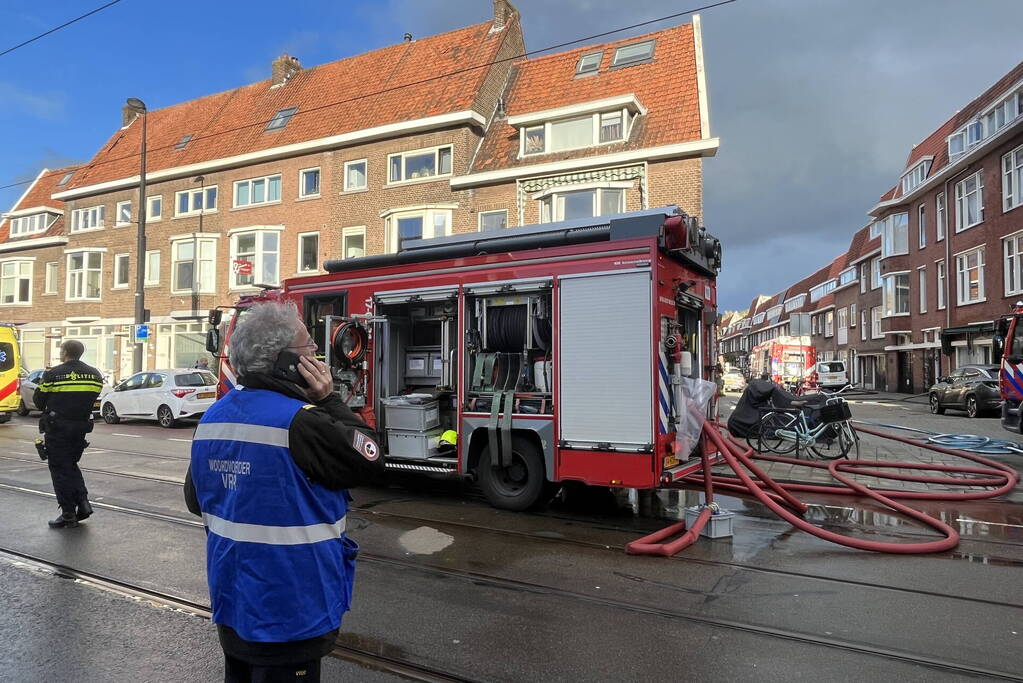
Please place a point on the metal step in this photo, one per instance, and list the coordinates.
(420, 468)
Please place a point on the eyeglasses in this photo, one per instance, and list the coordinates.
(310, 345)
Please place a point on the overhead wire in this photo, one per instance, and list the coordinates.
(422, 81)
(57, 28)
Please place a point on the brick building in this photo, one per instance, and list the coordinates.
(428, 137)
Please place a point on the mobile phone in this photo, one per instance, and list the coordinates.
(286, 367)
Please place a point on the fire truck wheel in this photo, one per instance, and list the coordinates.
(518, 486)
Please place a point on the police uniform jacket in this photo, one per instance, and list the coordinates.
(68, 392)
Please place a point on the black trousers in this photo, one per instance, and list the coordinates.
(238, 671)
(62, 456)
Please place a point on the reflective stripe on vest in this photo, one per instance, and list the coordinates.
(234, 431)
(274, 535)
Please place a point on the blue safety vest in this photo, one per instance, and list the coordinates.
(279, 565)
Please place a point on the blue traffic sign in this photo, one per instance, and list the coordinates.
(142, 332)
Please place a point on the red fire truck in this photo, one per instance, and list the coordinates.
(788, 360)
(555, 352)
(1008, 343)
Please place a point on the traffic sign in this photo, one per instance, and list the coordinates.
(141, 333)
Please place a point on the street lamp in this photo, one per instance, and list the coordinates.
(140, 249)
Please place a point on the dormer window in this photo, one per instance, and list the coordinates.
(281, 118)
(633, 54)
(589, 63)
(577, 126)
(912, 178)
(30, 225)
(535, 140)
(183, 142)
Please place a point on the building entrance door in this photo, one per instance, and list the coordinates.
(905, 372)
(930, 374)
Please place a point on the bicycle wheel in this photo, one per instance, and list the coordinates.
(835, 442)
(763, 437)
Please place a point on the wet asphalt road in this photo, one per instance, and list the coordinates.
(449, 583)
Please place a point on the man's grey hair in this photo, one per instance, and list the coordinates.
(263, 332)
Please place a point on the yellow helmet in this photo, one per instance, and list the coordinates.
(450, 436)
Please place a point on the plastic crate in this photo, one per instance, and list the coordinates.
(411, 413)
(718, 526)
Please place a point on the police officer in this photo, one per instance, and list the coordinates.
(66, 395)
(271, 464)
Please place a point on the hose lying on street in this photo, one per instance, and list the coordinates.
(779, 498)
(973, 443)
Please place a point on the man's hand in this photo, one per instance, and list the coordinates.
(317, 375)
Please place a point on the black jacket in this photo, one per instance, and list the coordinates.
(321, 439)
(759, 393)
(68, 392)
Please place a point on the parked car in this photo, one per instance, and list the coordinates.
(162, 395)
(831, 374)
(973, 388)
(28, 388)
(733, 380)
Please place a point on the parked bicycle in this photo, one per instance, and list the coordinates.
(820, 428)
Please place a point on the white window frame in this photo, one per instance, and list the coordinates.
(1012, 270)
(595, 118)
(875, 323)
(17, 276)
(895, 235)
(941, 274)
(921, 279)
(890, 294)
(352, 231)
(298, 261)
(365, 174)
(829, 324)
(257, 261)
(921, 226)
(419, 152)
(875, 273)
(84, 277)
(150, 278)
(875, 230)
(652, 42)
(580, 71)
(759, 318)
(962, 277)
(50, 275)
(153, 216)
(118, 223)
(266, 191)
(429, 215)
(30, 225)
(864, 276)
(863, 325)
(962, 197)
(127, 280)
(795, 302)
(481, 214)
(93, 217)
(551, 211)
(197, 240)
(940, 217)
(204, 192)
(1012, 179)
(916, 175)
(301, 183)
(852, 315)
(847, 277)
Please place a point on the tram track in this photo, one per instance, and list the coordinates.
(479, 578)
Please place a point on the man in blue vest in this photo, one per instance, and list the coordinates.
(271, 464)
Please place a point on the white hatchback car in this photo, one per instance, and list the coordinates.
(162, 395)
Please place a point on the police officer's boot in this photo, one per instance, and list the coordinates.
(84, 510)
(65, 521)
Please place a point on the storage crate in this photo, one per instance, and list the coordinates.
(718, 526)
(413, 445)
(411, 413)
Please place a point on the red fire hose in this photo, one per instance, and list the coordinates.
(779, 499)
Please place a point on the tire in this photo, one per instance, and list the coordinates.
(519, 486)
(972, 410)
(936, 407)
(761, 438)
(109, 414)
(843, 438)
(165, 416)
(22, 408)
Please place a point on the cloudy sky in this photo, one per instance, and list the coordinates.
(816, 102)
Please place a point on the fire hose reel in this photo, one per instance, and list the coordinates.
(348, 343)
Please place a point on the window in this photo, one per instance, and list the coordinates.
(16, 282)
(829, 324)
(843, 318)
(183, 142)
(186, 261)
(941, 285)
(956, 145)
(534, 140)
(281, 118)
(493, 220)
(758, 318)
(773, 313)
(1012, 179)
(353, 242)
(875, 230)
(940, 222)
(87, 219)
(896, 294)
(820, 291)
(969, 202)
(254, 258)
(355, 175)
(563, 206)
(419, 164)
(190, 202)
(632, 54)
(986, 125)
(1013, 248)
(895, 235)
(309, 182)
(29, 225)
(875, 273)
(589, 63)
(414, 225)
(154, 208)
(50, 283)
(309, 252)
(921, 226)
(152, 274)
(970, 277)
(852, 315)
(922, 277)
(123, 213)
(611, 128)
(875, 323)
(864, 274)
(847, 277)
(84, 269)
(121, 271)
(66, 179)
(257, 191)
(863, 326)
(915, 176)
(794, 303)
(571, 134)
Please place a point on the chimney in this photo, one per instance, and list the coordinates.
(283, 68)
(503, 12)
(407, 38)
(128, 115)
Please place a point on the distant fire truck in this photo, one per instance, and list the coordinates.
(556, 352)
(1008, 343)
(788, 360)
